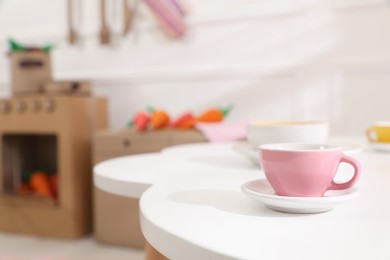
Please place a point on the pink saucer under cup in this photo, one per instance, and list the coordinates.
(304, 170)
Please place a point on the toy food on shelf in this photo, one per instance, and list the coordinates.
(141, 121)
(184, 121)
(158, 119)
(39, 183)
(214, 114)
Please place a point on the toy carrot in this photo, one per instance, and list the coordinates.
(214, 114)
(159, 118)
(40, 184)
(184, 121)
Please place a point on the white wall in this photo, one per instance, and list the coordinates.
(275, 60)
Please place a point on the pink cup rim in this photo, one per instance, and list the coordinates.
(299, 147)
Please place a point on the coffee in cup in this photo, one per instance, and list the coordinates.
(259, 133)
(380, 132)
(305, 170)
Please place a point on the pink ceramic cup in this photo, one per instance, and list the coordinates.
(304, 170)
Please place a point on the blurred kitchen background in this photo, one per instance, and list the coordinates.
(272, 59)
(279, 59)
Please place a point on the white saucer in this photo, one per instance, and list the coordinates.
(261, 191)
(381, 147)
(246, 149)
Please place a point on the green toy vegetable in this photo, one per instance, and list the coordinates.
(14, 46)
(17, 47)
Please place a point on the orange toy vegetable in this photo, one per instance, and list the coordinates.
(214, 114)
(185, 121)
(159, 118)
(40, 184)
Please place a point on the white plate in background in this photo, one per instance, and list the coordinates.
(381, 147)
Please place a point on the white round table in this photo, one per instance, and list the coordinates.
(192, 208)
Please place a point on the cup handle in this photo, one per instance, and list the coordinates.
(369, 132)
(356, 166)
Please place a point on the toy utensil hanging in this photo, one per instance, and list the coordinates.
(115, 17)
(128, 16)
(177, 10)
(72, 35)
(172, 21)
(180, 6)
(104, 30)
(74, 16)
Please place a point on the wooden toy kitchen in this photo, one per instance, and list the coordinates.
(46, 129)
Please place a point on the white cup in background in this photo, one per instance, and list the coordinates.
(262, 132)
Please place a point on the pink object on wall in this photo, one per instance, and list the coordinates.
(181, 7)
(170, 17)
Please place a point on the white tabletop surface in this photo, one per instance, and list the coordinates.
(192, 208)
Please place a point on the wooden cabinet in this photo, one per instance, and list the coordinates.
(116, 218)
